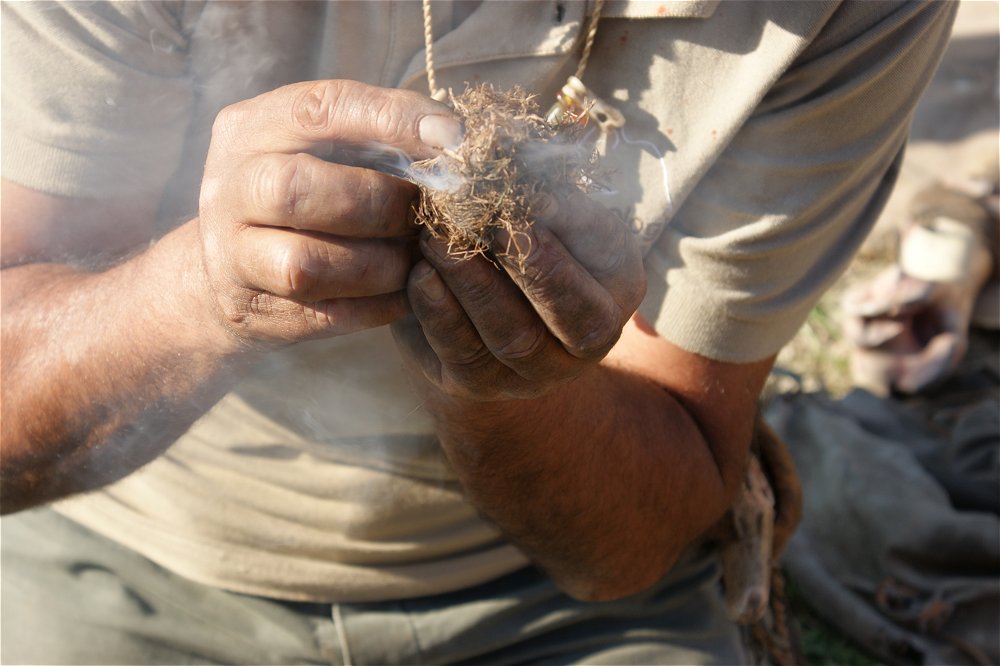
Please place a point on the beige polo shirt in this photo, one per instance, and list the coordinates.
(761, 139)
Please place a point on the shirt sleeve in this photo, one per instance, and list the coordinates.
(780, 214)
(96, 97)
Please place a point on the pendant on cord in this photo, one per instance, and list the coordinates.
(576, 102)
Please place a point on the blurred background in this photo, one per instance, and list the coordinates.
(954, 136)
(898, 556)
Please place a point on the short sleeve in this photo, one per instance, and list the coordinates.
(95, 95)
(777, 218)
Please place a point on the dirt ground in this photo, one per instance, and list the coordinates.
(954, 136)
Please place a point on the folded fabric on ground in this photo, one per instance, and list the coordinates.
(899, 547)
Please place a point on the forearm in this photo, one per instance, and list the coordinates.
(602, 468)
(103, 371)
(603, 482)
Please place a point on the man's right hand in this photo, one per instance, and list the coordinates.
(302, 237)
(299, 236)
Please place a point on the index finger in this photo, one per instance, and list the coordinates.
(316, 116)
(575, 244)
(596, 237)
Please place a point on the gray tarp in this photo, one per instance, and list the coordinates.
(883, 553)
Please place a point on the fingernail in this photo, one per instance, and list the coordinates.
(430, 282)
(440, 132)
(544, 206)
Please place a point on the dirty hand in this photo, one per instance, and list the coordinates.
(479, 333)
(302, 236)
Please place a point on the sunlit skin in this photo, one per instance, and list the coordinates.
(596, 446)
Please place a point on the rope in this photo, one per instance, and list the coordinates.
(777, 638)
(429, 48)
(439, 94)
(591, 33)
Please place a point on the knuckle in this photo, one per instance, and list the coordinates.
(209, 195)
(526, 343)
(259, 305)
(227, 123)
(471, 360)
(620, 253)
(324, 316)
(378, 202)
(280, 187)
(295, 270)
(598, 341)
(365, 265)
(545, 271)
(391, 119)
(242, 315)
(292, 184)
(396, 267)
(235, 317)
(478, 288)
(317, 106)
(463, 353)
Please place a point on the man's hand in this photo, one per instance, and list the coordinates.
(601, 469)
(301, 238)
(298, 237)
(483, 334)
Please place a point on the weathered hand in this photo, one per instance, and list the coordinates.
(302, 236)
(479, 333)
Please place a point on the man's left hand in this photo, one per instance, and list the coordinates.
(481, 333)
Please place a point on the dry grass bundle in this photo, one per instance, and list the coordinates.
(509, 154)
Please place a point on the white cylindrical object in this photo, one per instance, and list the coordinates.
(941, 251)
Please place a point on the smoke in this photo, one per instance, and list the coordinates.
(543, 157)
(233, 52)
(661, 160)
(395, 162)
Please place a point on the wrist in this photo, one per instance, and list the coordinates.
(471, 419)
